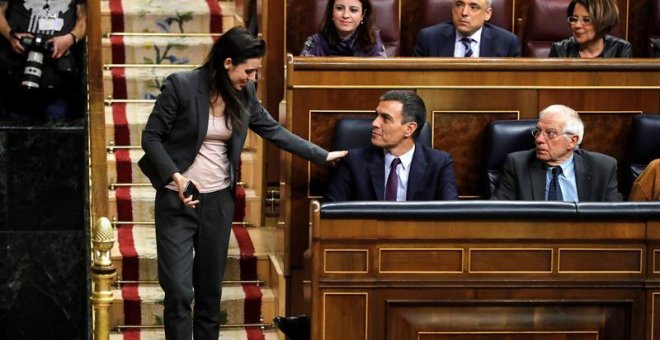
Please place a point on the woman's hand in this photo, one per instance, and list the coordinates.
(334, 156)
(181, 183)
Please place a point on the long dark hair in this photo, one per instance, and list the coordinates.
(366, 31)
(238, 45)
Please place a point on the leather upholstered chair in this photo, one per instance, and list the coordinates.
(545, 23)
(501, 138)
(643, 147)
(356, 133)
(386, 13)
(437, 11)
(654, 29)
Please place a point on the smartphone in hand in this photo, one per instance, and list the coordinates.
(191, 189)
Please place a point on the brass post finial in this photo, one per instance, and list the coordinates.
(103, 274)
(103, 238)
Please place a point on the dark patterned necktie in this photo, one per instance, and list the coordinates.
(467, 42)
(554, 191)
(392, 181)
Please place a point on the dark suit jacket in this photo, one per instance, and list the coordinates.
(178, 124)
(524, 177)
(439, 41)
(360, 176)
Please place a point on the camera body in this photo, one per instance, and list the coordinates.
(36, 45)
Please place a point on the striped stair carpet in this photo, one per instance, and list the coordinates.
(144, 44)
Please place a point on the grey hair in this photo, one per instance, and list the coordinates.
(572, 123)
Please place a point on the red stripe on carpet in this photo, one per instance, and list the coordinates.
(119, 87)
(132, 310)
(124, 166)
(120, 122)
(253, 296)
(118, 50)
(215, 16)
(131, 334)
(116, 16)
(130, 261)
(254, 334)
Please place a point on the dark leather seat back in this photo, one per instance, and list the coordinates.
(503, 137)
(356, 133)
(437, 11)
(643, 147)
(386, 13)
(654, 29)
(545, 23)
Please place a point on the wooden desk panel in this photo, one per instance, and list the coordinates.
(487, 279)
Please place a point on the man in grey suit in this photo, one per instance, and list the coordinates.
(556, 169)
(467, 35)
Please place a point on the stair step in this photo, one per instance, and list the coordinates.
(225, 334)
(173, 16)
(127, 160)
(155, 49)
(141, 203)
(147, 302)
(142, 82)
(144, 250)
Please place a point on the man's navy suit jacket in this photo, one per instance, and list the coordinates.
(439, 41)
(360, 176)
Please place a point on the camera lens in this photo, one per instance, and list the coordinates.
(32, 71)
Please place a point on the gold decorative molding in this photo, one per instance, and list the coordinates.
(366, 310)
(325, 261)
(550, 252)
(593, 250)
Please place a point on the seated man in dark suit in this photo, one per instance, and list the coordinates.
(556, 170)
(468, 35)
(414, 172)
(394, 167)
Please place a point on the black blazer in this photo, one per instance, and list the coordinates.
(178, 124)
(524, 177)
(614, 48)
(439, 41)
(360, 176)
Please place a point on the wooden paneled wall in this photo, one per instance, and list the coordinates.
(462, 97)
(637, 12)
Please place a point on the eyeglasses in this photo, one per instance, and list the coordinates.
(459, 5)
(585, 20)
(548, 134)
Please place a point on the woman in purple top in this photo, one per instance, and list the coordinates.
(347, 29)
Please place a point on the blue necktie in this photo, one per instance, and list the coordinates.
(467, 42)
(554, 191)
(392, 181)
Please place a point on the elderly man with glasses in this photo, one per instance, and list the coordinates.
(556, 170)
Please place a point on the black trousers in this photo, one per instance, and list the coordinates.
(184, 277)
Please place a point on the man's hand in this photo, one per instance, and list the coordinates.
(61, 45)
(15, 41)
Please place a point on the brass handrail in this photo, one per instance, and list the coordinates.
(186, 66)
(103, 275)
(117, 224)
(113, 186)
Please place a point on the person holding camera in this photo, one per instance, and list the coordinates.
(38, 71)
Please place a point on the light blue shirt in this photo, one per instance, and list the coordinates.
(459, 48)
(567, 181)
(402, 172)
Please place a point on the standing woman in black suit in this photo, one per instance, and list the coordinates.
(193, 138)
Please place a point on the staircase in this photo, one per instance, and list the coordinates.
(144, 41)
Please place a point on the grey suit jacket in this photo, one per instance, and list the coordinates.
(524, 177)
(178, 124)
(439, 41)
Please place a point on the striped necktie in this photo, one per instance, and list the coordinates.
(554, 190)
(467, 42)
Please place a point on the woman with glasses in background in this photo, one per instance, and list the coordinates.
(591, 21)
